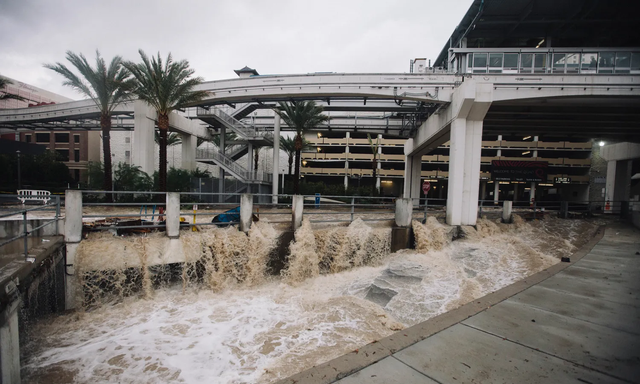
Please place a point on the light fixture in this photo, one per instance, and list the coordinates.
(526, 152)
(304, 163)
(526, 138)
(601, 143)
(319, 135)
(319, 149)
(540, 43)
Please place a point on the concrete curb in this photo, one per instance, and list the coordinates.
(354, 361)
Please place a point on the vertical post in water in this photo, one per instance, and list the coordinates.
(506, 211)
(353, 208)
(246, 211)
(404, 212)
(72, 238)
(57, 214)
(25, 234)
(173, 215)
(297, 209)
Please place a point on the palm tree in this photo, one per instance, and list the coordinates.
(173, 138)
(301, 116)
(166, 87)
(107, 86)
(288, 145)
(6, 95)
(374, 150)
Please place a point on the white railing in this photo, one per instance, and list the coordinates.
(238, 127)
(234, 168)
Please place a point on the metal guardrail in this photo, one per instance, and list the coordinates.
(25, 228)
(246, 132)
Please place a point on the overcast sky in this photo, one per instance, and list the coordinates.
(216, 37)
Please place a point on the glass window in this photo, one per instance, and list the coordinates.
(62, 137)
(64, 154)
(470, 60)
(479, 60)
(540, 62)
(635, 61)
(573, 62)
(511, 61)
(76, 155)
(43, 137)
(623, 60)
(495, 60)
(559, 61)
(526, 62)
(589, 62)
(76, 138)
(127, 140)
(606, 59)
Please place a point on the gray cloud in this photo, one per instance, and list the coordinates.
(278, 36)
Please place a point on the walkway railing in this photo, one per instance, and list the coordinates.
(244, 131)
(27, 229)
(233, 167)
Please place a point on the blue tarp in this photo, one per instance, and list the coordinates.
(232, 215)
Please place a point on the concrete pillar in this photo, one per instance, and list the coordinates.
(189, 143)
(506, 211)
(496, 192)
(72, 238)
(9, 338)
(378, 164)
(515, 191)
(483, 189)
(532, 191)
(471, 181)
(249, 157)
(297, 210)
(246, 212)
(346, 162)
(143, 137)
(172, 214)
(456, 171)
(610, 186)
(276, 158)
(404, 212)
(412, 174)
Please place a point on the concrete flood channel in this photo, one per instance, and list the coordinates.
(353, 273)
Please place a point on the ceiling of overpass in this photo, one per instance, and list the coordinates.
(578, 117)
(565, 23)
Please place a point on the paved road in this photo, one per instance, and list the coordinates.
(575, 324)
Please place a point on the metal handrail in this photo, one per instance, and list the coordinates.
(236, 169)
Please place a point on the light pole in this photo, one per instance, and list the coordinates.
(19, 179)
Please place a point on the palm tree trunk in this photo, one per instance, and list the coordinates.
(256, 158)
(105, 124)
(290, 163)
(163, 127)
(296, 177)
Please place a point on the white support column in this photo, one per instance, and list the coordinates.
(72, 238)
(379, 164)
(189, 143)
(506, 211)
(143, 137)
(412, 177)
(496, 191)
(456, 171)
(9, 337)
(471, 182)
(346, 162)
(532, 192)
(173, 214)
(246, 212)
(297, 211)
(276, 159)
(249, 163)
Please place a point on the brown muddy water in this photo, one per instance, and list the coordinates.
(221, 317)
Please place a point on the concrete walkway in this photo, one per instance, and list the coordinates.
(572, 323)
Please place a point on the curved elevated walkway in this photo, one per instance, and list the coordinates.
(571, 323)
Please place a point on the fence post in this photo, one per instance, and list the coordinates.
(564, 209)
(353, 207)
(72, 238)
(297, 209)
(507, 206)
(246, 211)
(172, 214)
(57, 214)
(26, 235)
(480, 213)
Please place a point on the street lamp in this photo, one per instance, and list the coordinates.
(19, 179)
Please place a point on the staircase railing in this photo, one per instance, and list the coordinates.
(234, 168)
(246, 132)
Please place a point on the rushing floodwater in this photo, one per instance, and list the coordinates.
(225, 322)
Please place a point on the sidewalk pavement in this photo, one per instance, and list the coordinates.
(572, 323)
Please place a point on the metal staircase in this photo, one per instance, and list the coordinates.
(212, 155)
(216, 116)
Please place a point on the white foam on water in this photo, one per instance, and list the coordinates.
(248, 328)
